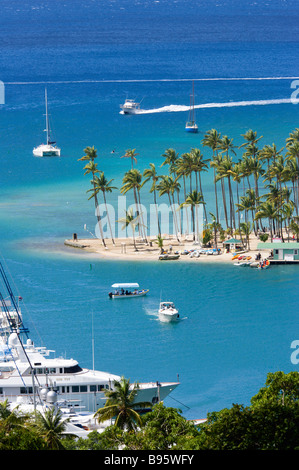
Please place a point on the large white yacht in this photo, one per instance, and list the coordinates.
(26, 370)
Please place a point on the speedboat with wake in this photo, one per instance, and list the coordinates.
(168, 312)
(130, 107)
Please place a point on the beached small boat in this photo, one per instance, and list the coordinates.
(49, 149)
(167, 312)
(169, 257)
(191, 125)
(127, 291)
(130, 107)
(264, 264)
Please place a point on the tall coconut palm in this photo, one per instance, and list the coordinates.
(291, 173)
(170, 156)
(131, 153)
(121, 405)
(225, 170)
(132, 180)
(101, 184)
(267, 210)
(199, 165)
(194, 199)
(212, 140)
(151, 174)
(91, 167)
(182, 171)
(166, 186)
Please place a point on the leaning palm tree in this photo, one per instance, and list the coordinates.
(132, 221)
(91, 167)
(121, 405)
(101, 184)
(131, 153)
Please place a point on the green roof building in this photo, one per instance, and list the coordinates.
(282, 252)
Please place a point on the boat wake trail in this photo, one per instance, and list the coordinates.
(181, 108)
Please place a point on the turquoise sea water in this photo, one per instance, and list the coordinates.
(237, 325)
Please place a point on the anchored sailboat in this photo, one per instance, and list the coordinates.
(191, 125)
(49, 149)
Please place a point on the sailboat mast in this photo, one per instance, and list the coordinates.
(47, 117)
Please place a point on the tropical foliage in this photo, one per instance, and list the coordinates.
(256, 188)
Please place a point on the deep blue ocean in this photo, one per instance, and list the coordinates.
(237, 325)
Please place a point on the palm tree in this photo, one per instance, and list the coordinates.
(102, 184)
(166, 186)
(51, 426)
(121, 406)
(91, 167)
(151, 174)
(267, 210)
(132, 221)
(215, 227)
(182, 171)
(194, 199)
(131, 153)
(199, 165)
(212, 139)
(171, 157)
(246, 229)
(160, 243)
(132, 181)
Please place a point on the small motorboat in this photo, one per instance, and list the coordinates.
(167, 312)
(264, 264)
(127, 291)
(169, 257)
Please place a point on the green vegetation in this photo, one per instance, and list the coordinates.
(271, 422)
(262, 183)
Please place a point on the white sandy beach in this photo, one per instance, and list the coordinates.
(124, 249)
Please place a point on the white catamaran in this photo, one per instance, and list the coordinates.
(49, 149)
(191, 125)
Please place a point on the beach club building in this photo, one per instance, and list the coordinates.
(287, 252)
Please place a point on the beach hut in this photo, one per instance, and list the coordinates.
(232, 244)
(287, 252)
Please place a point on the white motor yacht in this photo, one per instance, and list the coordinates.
(130, 107)
(26, 370)
(168, 312)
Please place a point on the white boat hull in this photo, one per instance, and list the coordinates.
(46, 151)
(168, 317)
(129, 296)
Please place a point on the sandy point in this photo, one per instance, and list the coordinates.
(124, 249)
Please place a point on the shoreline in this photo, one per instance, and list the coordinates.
(124, 250)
